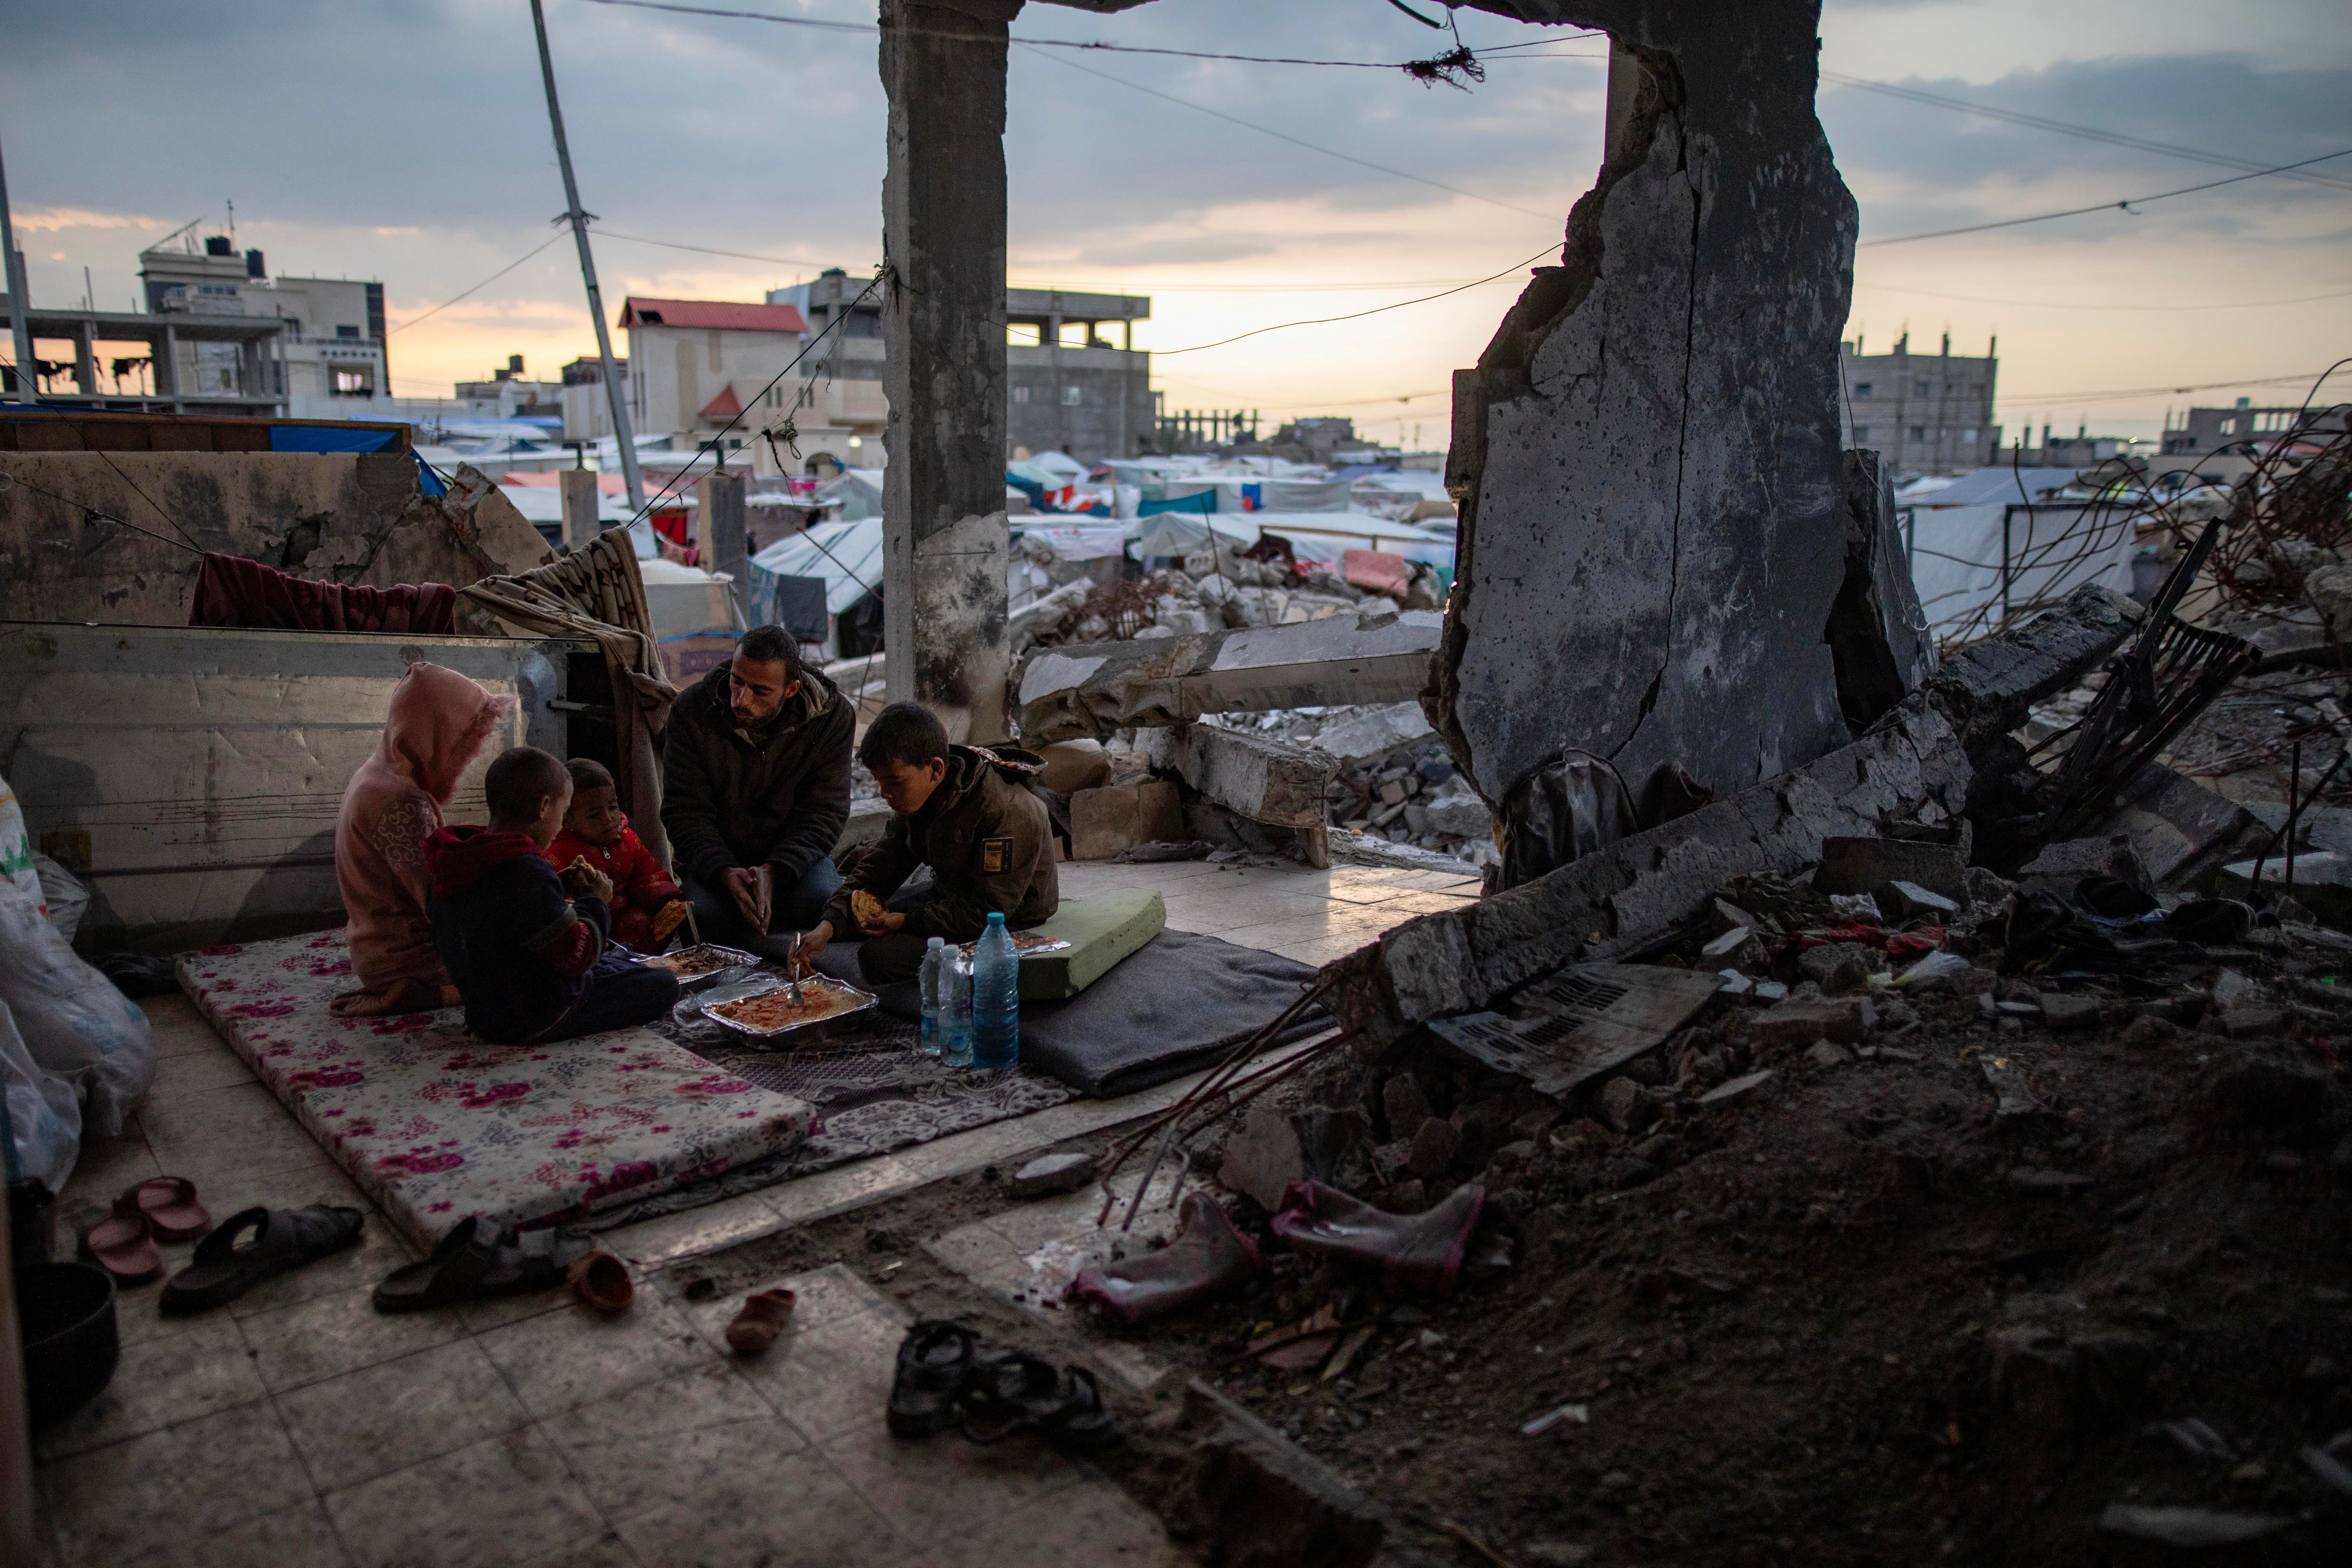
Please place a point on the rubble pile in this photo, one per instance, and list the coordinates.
(1220, 590)
(1940, 1227)
(1396, 779)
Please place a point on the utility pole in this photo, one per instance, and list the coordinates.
(622, 437)
(28, 375)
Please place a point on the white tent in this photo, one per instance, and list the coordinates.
(848, 555)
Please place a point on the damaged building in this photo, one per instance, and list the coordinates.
(1632, 1054)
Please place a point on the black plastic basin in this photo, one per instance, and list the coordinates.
(66, 1312)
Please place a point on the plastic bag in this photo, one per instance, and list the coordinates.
(43, 1121)
(73, 1021)
(15, 847)
(62, 891)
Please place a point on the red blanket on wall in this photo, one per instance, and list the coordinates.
(234, 592)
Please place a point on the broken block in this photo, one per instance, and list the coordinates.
(1246, 773)
(1866, 865)
(1910, 902)
(1843, 1019)
(2073, 859)
(1106, 820)
(1406, 1106)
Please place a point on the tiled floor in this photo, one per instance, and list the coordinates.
(297, 1426)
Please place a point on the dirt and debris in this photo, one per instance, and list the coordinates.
(1876, 1273)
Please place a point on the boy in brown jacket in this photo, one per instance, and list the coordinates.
(965, 813)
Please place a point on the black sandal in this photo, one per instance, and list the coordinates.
(453, 1274)
(935, 1360)
(467, 1267)
(283, 1241)
(1084, 1425)
(1017, 1391)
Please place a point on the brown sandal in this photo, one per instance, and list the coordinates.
(603, 1281)
(762, 1318)
(169, 1203)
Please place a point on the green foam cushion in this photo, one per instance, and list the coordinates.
(1100, 930)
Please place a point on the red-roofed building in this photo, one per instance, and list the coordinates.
(717, 315)
(708, 370)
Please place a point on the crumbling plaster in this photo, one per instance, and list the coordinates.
(1646, 456)
(353, 518)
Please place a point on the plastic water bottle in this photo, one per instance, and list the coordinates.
(955, 1009)
(996, 998)
(935, 957)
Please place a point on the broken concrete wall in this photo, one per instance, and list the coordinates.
(1646, 456)
(356, 517)
(1914, 766)
(1877, 634)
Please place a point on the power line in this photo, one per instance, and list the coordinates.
(2149, 391)
(2124, 206)
(1357, 315)
(2062, 305)
(477, 287)
(1411, 67)
(1298, 142)
(708, 251)
(2063, 128)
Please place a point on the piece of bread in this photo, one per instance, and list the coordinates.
(864, 909)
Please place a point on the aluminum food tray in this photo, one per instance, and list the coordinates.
(735, 956)
(791, 1035)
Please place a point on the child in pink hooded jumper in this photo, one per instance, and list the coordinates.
(438, 721)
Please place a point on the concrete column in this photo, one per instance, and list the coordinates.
(581, 499)
(167, 364)
(718, 531)
(86, 359)
(944, 537)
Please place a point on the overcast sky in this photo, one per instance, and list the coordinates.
(406, 140)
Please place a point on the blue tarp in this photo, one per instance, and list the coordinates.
(1198, 505)
(328, 439)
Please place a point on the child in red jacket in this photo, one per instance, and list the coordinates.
(646, 905)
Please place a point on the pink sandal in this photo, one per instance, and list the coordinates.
(124, 1246)
(168, 1204)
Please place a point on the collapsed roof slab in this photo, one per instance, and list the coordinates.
(1646, 456)
(1913, 764)
(1088, 690)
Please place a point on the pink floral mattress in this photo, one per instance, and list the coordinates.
(436, 1124)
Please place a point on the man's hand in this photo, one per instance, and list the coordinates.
(811, 944)
(583, 881)
(754, 892)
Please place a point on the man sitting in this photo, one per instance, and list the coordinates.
(531, 963)
(757, 793)
(956, 809)
(645, 903)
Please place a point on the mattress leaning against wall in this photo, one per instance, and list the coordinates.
(190, 774)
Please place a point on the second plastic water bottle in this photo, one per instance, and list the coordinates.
(935, 958)
(955, 1009)
(996, 998)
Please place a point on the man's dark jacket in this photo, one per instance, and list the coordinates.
(781, 799)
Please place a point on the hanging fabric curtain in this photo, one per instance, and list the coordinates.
(596, 593)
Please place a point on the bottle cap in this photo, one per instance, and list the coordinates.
(997, 917)
(935, 941)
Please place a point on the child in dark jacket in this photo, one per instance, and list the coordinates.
(531, 963)
(646, 905)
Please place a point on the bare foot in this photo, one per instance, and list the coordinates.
(400, 996)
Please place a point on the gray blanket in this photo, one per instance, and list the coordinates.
(1174, 1005)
